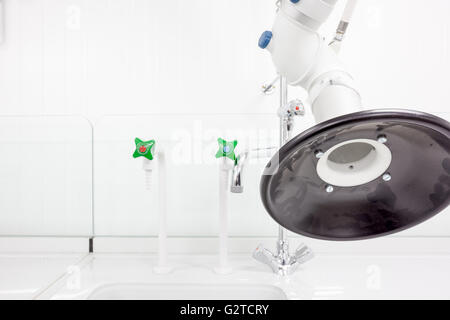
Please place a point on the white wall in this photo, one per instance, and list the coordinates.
(198, 61)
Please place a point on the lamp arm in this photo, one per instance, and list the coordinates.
(301, 55)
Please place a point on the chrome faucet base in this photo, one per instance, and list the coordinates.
(283, 263)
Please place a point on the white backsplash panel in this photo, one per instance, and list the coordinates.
(45, 176)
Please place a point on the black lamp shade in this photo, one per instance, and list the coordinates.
(419, 186)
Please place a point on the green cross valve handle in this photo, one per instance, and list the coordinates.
(143, 149)
(226, 149)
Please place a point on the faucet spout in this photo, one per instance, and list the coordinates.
(237, 185)
(236, 178)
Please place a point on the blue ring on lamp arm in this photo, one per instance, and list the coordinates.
(295, 1)
(265, 38)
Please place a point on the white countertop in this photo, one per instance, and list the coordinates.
(325, 277)
(24, 276)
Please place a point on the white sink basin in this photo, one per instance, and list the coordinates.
(186, 292)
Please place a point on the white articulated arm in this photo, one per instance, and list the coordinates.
(331, 88)
(300, 54)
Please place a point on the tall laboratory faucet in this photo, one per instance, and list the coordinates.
(228, 158)
(147, 150)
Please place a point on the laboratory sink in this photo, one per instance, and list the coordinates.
(140, 291)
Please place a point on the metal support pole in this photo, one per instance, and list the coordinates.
(284, 137)
(283, 263)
